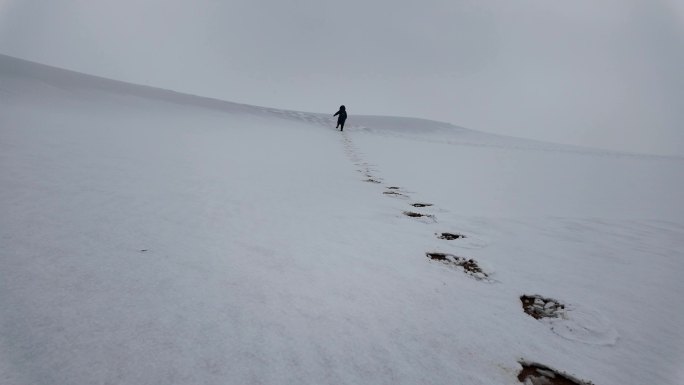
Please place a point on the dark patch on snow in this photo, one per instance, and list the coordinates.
(470, 266)
(416, 215)
(450, 236)
(421, 204)
(393, 188)
(540, 307)
(371, 180)
(394, 193)
(144, 250)
(537, 374)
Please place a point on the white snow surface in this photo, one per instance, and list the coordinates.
(152, 237)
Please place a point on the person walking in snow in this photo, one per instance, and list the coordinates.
(341, 117)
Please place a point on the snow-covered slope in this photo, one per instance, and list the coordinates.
(151, 237)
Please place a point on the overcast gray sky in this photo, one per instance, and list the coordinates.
(605, 73)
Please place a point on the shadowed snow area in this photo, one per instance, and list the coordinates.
(152, 237)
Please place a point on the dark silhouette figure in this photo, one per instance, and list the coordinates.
(341, 117)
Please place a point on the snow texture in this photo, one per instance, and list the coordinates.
(151, 237)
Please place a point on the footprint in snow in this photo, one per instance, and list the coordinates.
(574, 323)
(425, 218)
(540, 307)
(468, 265)
(394, 191)
(450, 236)
(538, 374)
(413, 214)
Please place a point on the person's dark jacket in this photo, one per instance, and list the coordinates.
(342, 114)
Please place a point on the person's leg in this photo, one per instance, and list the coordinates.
(342, 125)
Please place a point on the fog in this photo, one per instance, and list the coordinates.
(596, 73)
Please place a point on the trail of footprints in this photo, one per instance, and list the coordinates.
(536, 306)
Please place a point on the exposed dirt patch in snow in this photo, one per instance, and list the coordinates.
(470, 266)
(537, 374)
(450, 236)
(540, 307)
(421, 204)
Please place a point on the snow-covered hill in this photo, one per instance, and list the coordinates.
(151, 237)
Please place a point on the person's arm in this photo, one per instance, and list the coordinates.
(336, 113)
